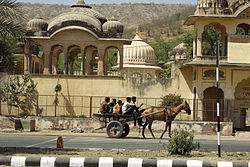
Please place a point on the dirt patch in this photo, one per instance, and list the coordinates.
(195, 155)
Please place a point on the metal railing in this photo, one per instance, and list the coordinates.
(86, 106)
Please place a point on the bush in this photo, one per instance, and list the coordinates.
(172, 100)
(182, 142)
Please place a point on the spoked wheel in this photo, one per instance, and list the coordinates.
(125, 130)
(114, 129)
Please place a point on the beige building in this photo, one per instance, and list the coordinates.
(227, 16)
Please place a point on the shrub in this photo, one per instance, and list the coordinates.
(182, 142)
(19, 92)
(171, 100)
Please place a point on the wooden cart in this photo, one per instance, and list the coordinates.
(116, 125)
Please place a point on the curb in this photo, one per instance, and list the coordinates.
(111, 162)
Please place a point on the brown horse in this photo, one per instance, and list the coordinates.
(167, 115)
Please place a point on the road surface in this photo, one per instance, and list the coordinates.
(103, 142)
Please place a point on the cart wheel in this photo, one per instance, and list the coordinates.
(114, 129)
(125, 130)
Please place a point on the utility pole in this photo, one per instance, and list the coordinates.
(218, 96)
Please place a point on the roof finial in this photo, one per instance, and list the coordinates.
(80, 2)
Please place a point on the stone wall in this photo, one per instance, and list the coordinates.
(89, 125)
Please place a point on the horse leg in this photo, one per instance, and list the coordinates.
(143, 129)
(166, 127)
(169, 128)
(149, 127)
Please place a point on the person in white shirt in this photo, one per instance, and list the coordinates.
(129, 108)
(127, 105)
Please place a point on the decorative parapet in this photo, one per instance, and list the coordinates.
(225, 7)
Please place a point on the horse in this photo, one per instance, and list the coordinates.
(163, 114)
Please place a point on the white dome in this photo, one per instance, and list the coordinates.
(138, 52)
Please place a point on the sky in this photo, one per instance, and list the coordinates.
(71, 2)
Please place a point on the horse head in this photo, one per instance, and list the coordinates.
(187, 108)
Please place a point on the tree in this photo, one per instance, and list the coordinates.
(209, 38)
(19, 92)
(163, 48)
(112, 58)
(58, 89)
(11, 29)
(10, 20)
(188, 41)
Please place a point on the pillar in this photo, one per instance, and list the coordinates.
(34, 67)
(195, 43)
(224, 45)
(46, 52)
(54, 63)
(229, 30)
(199, 43)
(105, 66)
(83, 62)
(246, 29)
(121, 60)
(65, 62)
(101, 62)
(26, 59)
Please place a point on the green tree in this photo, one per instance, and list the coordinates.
(11, 29)
(209, 38)
(19, 92)
(240, 31)
(162, 49)
(188, 41)
(58, 88)
(112, 58)
(10, 20)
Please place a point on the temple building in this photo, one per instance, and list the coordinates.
(79, 38)
(229, 17)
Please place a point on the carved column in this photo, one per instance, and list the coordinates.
(101, 52)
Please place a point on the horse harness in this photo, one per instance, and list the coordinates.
(169, 114)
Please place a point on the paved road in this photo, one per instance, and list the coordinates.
(44, 141)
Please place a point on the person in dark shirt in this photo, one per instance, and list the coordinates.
(104, 108)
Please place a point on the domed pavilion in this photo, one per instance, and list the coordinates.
(139, 60)
(79, 38)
